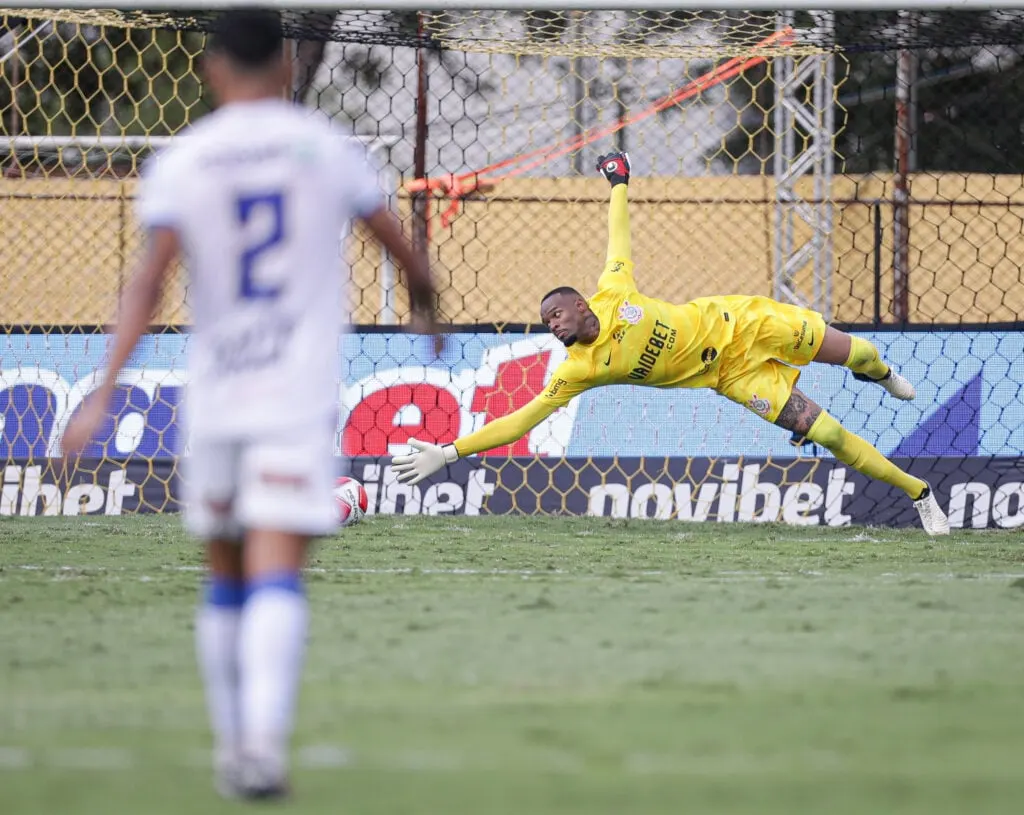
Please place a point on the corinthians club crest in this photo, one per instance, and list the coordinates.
(630, 313)
(759, 405)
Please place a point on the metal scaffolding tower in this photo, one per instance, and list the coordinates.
(804, 139)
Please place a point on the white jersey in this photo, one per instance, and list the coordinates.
(261, 194)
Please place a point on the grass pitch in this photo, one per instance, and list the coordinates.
(487, 666)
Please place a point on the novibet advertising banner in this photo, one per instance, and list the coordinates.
(621, 451)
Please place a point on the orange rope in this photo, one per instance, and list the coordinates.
(457, 187)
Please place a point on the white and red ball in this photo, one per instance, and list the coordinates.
(351, 500)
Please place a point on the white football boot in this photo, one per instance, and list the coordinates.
(228, 777)
(265, 777)
(897, 385)
(933, 519)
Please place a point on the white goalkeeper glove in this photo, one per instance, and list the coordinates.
(424, 461)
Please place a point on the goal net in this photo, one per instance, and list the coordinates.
(867, 164)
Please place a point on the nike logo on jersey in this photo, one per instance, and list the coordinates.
(810, 342)
(609, 360)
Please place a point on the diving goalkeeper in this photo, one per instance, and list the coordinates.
(740, 346)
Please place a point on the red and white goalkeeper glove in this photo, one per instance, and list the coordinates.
(425, 460)
(614, 167)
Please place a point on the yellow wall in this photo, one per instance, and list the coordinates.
(966, 248)
(66, 246)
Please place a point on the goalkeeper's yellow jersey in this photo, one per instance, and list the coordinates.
(646, 341)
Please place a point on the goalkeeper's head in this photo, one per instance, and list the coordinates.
(244, 58)
(568, 316)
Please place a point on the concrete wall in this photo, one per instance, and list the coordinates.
(67, 246)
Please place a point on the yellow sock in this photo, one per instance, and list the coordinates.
(864, 359)
(851, 449)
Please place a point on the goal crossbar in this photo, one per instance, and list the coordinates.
(547, 5)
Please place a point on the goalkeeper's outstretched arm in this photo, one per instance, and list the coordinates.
(428, 458)
(615, 168)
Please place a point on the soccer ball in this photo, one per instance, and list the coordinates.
(351, 500)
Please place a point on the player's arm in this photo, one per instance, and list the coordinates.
(138, 306)
(426, 459)
(387, 229)
(358, 185)
(505, 429)
(618, 269)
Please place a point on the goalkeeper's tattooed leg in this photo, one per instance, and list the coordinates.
(798, 414)
(808, 421)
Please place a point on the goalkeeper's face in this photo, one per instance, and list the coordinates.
(565, 315)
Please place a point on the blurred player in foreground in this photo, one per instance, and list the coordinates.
(256, 197)
(742, 347)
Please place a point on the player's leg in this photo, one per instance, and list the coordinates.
(769, 389)
(272, 642)
(217, 625)
(861, 357)
(209, 484)
(285, 500)
(807, 420)
(798, 336)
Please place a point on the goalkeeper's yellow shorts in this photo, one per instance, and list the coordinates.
(770, 337)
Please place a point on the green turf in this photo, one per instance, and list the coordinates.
(535, 666)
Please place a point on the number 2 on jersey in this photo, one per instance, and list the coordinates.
(268, 206)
